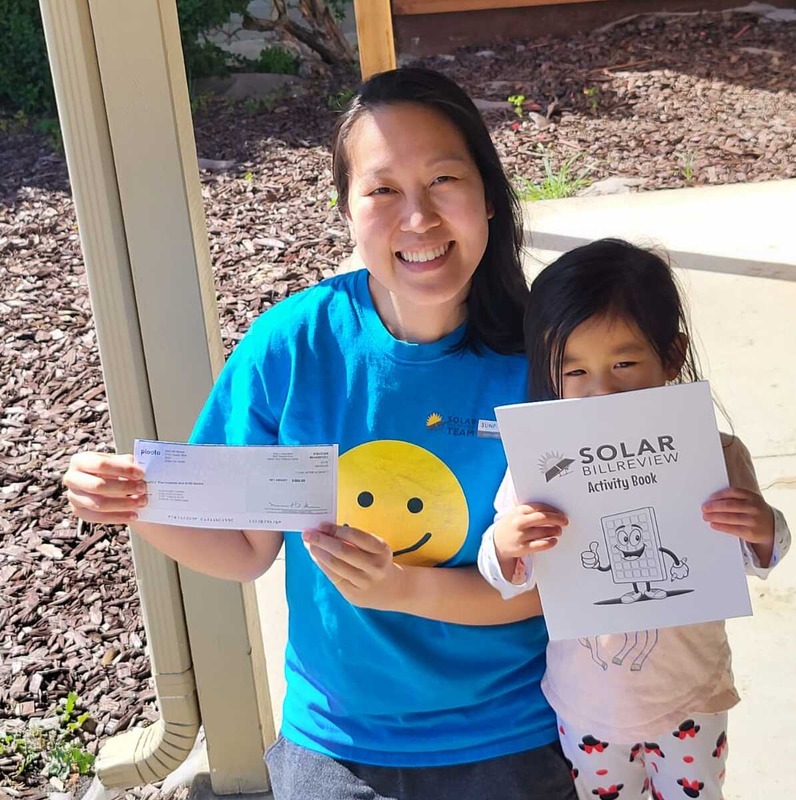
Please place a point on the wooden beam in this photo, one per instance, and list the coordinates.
(375, 36)
(407, 7)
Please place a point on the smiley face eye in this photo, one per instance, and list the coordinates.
(622, 537)
(415, 505)
(365, 499)
(635, 537)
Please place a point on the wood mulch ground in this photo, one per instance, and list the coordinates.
(668, 101)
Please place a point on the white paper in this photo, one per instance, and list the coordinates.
(252, 488)
(631, 471)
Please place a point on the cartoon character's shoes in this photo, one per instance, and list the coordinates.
(656, 594)
(631, 597)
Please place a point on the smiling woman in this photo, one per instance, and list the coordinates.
(407, 675)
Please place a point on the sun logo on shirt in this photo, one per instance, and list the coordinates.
(433, 420)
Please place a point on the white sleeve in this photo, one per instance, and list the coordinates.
(488, 564)
(782, 539)
(741, 473)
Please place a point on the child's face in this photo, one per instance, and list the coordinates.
(416, 208)
(604, 355)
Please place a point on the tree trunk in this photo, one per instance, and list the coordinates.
(322, 35)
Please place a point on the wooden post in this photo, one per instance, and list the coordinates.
(375, 36)
(128, 136)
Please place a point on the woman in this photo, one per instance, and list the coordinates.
(407, 693)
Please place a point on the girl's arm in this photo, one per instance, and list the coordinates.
(741, 511)
(109, 489)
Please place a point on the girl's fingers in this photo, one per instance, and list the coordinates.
(729, 504)
(530, 508)
(542, 518)
(539, 533)
(726, 518)
(540, 545)
(741, 531)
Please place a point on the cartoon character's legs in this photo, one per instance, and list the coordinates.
(693, 765)
(655, 594)
(601, 769)
(593, 646)
(626, 648)
(632, 597)
(650, 640)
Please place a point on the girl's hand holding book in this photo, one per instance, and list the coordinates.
(745, 514)
(524, 531)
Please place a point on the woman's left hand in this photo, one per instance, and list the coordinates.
(359, 564)
(745, 514)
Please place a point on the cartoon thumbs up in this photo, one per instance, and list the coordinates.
(590, 558)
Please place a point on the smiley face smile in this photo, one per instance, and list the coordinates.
(416, 546)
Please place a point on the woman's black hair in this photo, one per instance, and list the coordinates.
(498, 291)
(607, 278)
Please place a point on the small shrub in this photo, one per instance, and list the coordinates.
(56, 753)
(337, 102)
(277, 61)
(556, 184)
(25, 82)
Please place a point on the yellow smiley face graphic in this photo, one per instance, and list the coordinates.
(405, 495)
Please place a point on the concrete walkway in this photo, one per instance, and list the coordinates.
(737, 262)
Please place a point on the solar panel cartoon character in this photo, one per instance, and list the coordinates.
(635, 555)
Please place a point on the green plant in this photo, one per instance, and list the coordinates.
(337, 102)
(592, 94)
(203, 58)
(516, 101)
(51, 128)
(337, 7)
(278, 61)
(333, 198)
(57, 752)
(556, 184)
(256, 105)
(25, 752)
(200, 102)
(687, 169)
(25, 81)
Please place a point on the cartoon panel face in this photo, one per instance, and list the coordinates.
(406, 495)
(633, 546)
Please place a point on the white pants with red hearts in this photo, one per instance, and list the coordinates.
(688, 762)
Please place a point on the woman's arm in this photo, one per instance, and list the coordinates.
(110, 489)
(362, 569)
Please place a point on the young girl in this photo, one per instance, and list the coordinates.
(641, 714)
(396, 362)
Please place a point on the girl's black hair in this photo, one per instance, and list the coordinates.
(499, 291)
(609, 278)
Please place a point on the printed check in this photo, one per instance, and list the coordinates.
(252, 488)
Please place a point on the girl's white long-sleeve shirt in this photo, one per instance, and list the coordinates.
(631, 687)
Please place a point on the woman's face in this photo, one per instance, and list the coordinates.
(416, 208)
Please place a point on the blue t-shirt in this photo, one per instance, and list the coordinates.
(371, 686)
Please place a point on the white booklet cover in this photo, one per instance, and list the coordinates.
(253, 488)
(631, 471)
